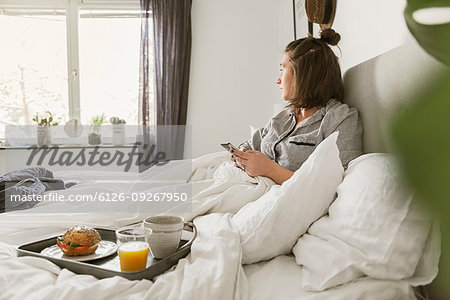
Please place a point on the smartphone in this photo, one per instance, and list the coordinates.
(229, 147)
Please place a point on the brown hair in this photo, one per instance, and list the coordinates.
(316, 71)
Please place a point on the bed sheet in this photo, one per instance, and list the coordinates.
(281, 278)
(211, 271)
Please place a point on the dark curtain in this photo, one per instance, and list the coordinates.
(171, 20)
(145, 67)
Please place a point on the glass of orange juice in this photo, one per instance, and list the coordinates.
(132, 247)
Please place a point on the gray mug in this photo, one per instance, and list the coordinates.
(166, 234)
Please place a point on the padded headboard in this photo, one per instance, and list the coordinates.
(382, 86)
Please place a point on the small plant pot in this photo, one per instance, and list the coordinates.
(118, 134)
(44, 135)
(95, 135)
(94, 139)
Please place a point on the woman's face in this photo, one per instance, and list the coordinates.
(286, 78)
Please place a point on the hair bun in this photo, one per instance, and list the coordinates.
(330, 36)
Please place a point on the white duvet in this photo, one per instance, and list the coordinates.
(217, 186)
(212, 270)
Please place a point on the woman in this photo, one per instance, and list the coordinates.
(311, 82)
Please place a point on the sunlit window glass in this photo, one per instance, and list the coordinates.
(33, 60)
(109, 66)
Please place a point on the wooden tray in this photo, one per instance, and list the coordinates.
(110, 266)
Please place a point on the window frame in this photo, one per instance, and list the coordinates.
(124, 8)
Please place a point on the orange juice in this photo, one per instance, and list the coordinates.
(133, 256)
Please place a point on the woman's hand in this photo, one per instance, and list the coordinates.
(254, 163)
(233, 158)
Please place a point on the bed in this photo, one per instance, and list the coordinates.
(256, 239)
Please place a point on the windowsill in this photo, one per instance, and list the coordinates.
(66, 146)
(65, 143)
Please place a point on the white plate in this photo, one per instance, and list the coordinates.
(105, 248)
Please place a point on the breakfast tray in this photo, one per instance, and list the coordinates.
(110, 266)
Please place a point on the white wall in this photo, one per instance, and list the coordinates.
(369, 28)
(237, 48)
(236, 51)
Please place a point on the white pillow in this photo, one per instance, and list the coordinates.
(373, 228)
(272, 224)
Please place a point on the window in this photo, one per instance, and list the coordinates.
(76, 58)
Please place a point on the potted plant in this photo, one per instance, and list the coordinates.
(44, 121)
(95, 135)
(118, 130)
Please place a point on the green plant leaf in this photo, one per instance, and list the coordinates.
(422, 137)
(435, 39)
